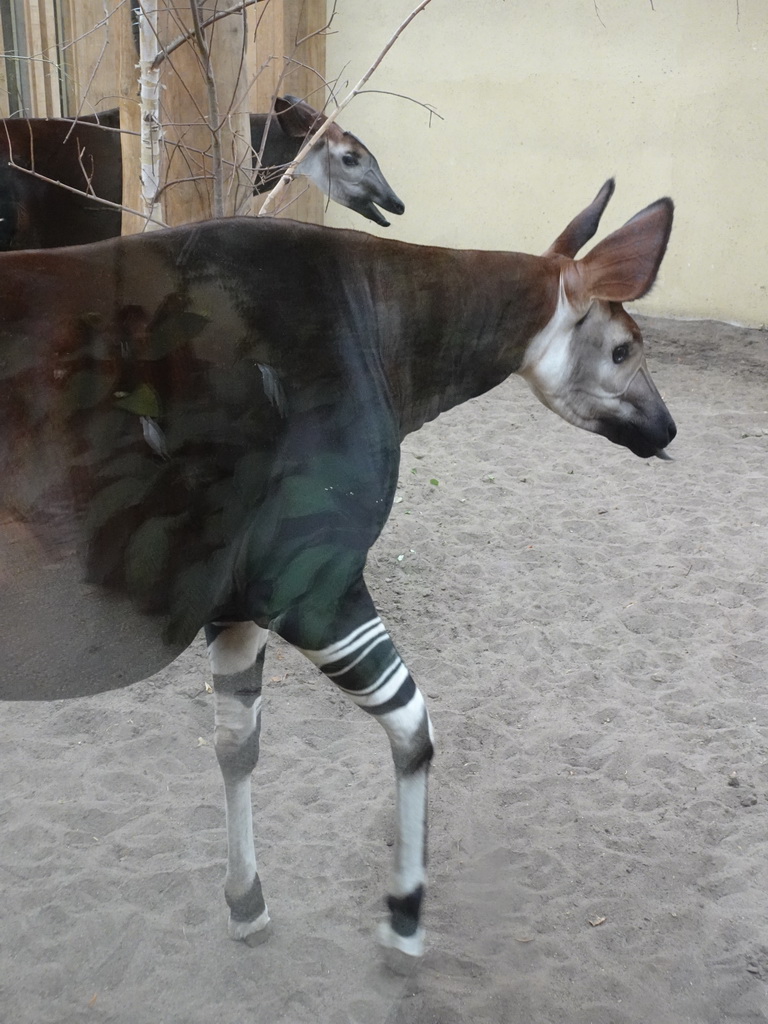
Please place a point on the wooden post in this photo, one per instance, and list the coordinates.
(92, 60)
(287, 55)
(43, 57)
(188, 190)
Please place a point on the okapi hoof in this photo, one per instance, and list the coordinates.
(401, 952)
(252, 933)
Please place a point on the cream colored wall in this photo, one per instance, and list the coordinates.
(545, 99)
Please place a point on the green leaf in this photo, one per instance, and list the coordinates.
(142, 400)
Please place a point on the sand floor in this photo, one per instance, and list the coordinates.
(591, 632)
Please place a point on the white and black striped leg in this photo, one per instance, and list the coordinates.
(236, 653)
(367, 667)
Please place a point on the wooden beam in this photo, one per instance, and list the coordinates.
(287, 55)
(5, 100)
(92, 30)
(188, 191)
(40, 24)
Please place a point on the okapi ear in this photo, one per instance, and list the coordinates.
(297, 118)
(583, 226)
(624, 265)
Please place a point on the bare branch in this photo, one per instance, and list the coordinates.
(402, 96)
(88, 195)
(186, 36)
(320, 31)
(213, 109)
(88, 175)
(287, 176)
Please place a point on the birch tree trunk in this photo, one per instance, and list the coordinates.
(130, 123)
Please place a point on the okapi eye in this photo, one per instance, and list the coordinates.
(350, 160)
(620, 353)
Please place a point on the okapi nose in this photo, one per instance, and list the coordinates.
(398, 206)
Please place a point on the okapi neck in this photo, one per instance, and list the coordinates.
(270, 156)
(464, 321)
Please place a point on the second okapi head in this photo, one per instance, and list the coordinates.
(340, 164)
(588, 364)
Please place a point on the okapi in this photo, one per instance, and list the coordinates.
(200, 428)
(84, 154)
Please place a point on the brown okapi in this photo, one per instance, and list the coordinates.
(200, 429)
(84, 154)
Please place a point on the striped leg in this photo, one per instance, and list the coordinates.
(236, 653)
(366, 666)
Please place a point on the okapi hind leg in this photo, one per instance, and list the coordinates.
(236, 653)
(365, 665)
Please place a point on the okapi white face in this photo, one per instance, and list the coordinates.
(590, 369)
(349, 173)
(588, 363)
(340, 165)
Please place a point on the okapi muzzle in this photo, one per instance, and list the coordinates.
(357, 181)
(642, 422)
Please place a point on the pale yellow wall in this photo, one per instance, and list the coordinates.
(544, 99)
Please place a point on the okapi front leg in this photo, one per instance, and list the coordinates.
(367, 667)
(236, 653)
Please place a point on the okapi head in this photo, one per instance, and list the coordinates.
(588, 364)
(340, 165)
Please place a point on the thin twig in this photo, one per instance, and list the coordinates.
(287, 176)
(402, 96)
(79, 192)
(88, 177)
(321, 31)
(213, 109)
(186, 36)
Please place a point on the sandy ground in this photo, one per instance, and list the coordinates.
(590, 629)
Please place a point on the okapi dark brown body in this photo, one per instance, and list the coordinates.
(200, 428)
(39, 214)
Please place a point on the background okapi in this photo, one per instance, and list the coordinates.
(84, 155)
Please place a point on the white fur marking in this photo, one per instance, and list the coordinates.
(233, 721)
(386, 690)
(348, 645)
(379, 640)
(401, 724)
(411, 945)
(392, 667)
(243, 929)
(547, 362)
(236, 648)
(241, 856)
(411, 801)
